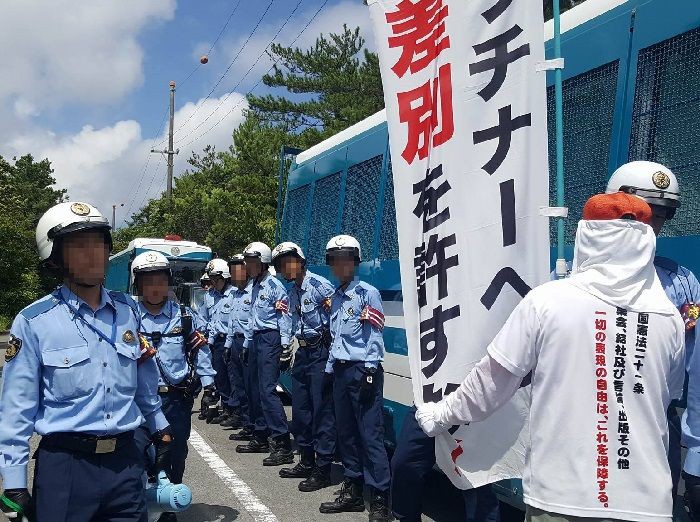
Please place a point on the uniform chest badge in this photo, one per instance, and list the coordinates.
(176, 330)
(350, 312)
(128, 337)
(14, 344)
(690, 312)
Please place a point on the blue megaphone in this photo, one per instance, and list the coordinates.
(168, 496)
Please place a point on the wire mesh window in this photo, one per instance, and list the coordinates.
(360, 209)
(589, 107)
(666, 119)
(324, 216)
(389, 240)
(295, 214)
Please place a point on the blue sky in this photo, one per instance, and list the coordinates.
(85, 83)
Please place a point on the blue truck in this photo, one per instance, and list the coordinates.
(631, 92)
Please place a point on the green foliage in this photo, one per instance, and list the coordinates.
(26, 192)
(338, 88)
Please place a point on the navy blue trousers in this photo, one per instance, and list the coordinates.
(237, 378)
(178, 411)
(413, 459)
(77, 487)
(360, 425)
(313, 422)
(267, 348)
(674, 447)
(255, 411)
(223, 386)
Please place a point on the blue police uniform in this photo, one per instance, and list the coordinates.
(357, 349)
(313, 422)
(216, 311)
(682, 288)
(167, 336)
(72, 375)
(270, 328)
(239, 374)
(413, 459)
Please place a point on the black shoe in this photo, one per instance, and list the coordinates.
(202, 415)
(244, 434)
(301, 470)
(212, 413)
(378, 508)
(320, 478)
(255, 445)
(349, 500)
(280, 451)
(221, 418)
(168, 517)
(232, 421)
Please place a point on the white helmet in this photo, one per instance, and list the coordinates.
(287, 248)
(204, 278)
(65, 218)
(150, 262)
(236, 259)
(344, 243)
(218, 267)
(259, 250)
(651, 181)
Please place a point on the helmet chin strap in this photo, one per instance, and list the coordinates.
(159, 303)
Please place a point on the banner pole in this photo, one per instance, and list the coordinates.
(559, 129)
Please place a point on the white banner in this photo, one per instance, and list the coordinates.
(466, 110)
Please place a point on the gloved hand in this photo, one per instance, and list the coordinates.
(286, 358)
(17, 503)
(367, 385)
(162, 440)
(327, 388)
(244, 356)
(427, 417)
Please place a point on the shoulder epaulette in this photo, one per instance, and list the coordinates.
(39, 307)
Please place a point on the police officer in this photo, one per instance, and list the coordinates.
(313, 422)
(183, 357)
(413, 460)
(238, 324)
(75, 373)
(267, 341)
(204, 281)
(216, 311)
(354, 367)
(658, 186)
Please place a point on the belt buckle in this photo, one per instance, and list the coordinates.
(106, 446)
(302, 343)
(163, 389)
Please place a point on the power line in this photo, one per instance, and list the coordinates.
(221, 78)
(259, 81)
(221, 32)
(224, 98)
(145, 165)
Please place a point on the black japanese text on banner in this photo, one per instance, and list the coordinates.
(466, 111)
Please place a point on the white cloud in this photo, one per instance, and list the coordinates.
(73, 51)
(105, 166)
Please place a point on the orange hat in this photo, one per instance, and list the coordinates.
(618, 205)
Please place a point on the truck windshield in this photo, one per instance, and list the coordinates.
(187, 271)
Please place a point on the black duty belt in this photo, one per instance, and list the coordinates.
(84, 443)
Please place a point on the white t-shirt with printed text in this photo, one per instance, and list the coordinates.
(602, 379)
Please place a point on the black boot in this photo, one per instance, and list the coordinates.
(301, 470)
(225, 415)
(212, 413)
(168, 517)
(255, 445)
(280, 451)
(245, 434)
(233, 421)
(320, 478)
(379, 507)
(350, 499)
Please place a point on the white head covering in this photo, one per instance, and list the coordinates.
(614, 261)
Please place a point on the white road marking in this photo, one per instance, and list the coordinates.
(252, 504)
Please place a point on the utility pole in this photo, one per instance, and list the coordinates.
(170, 152)
(114, 214)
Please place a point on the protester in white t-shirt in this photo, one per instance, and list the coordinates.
(606, 352)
